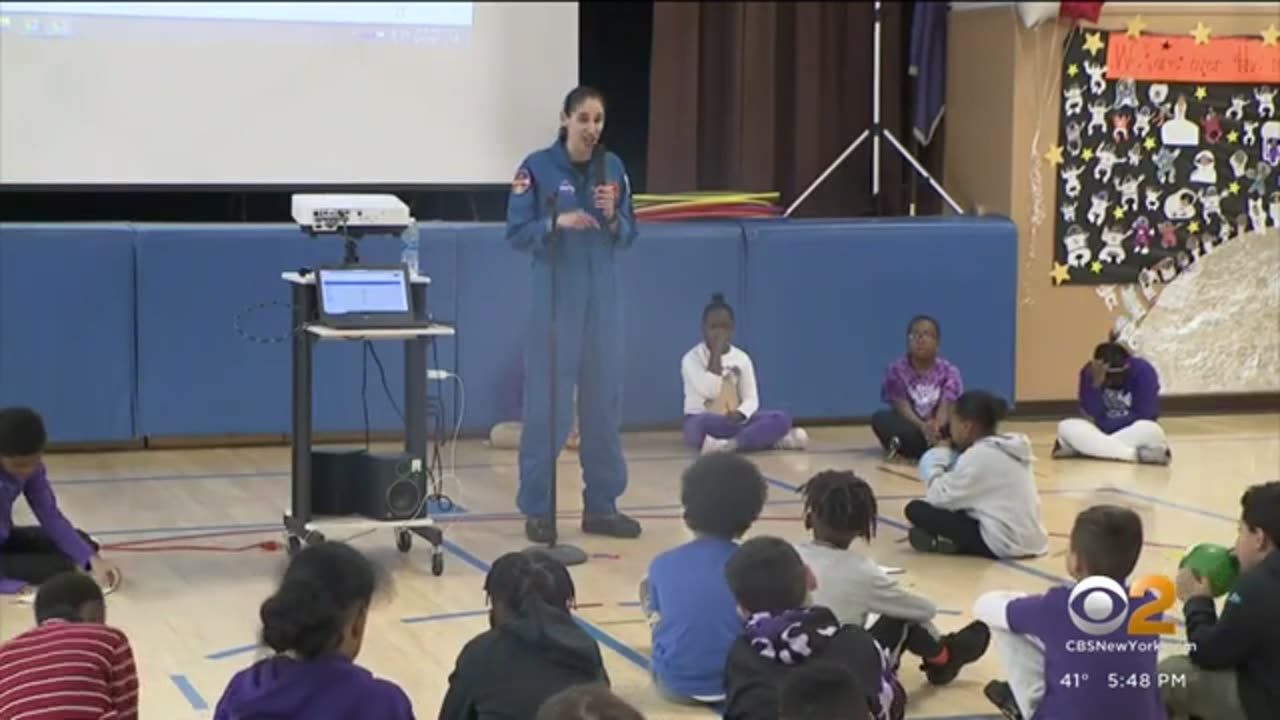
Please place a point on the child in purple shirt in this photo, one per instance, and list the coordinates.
(1058, 671)
(315, 622)
(31, 555)
(1120, 397)
(920, 388)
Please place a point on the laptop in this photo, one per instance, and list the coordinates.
(365, 297)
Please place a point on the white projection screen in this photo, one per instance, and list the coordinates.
(279, 93)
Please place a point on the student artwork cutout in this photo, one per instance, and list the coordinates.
(1168, 146)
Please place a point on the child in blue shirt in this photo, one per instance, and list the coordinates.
(685, 595)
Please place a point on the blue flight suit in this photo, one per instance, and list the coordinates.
(589, 326)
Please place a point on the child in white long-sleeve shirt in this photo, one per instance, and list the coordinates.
(984, 501)
(721, 400)
(840, 509)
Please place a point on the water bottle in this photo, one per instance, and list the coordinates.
(409, 248)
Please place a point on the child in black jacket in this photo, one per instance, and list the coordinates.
(1233, 672)
(784, 632)
(533, 648)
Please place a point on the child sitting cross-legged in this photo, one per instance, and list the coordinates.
(533, 648)
(983, 501)
(685, 595)
(840, 510)
(1043, 649)
(1233, 669)
(722, 410)
(784, 632)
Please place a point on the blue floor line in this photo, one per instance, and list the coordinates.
(189, 692)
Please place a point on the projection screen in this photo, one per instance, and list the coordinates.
(279, 93)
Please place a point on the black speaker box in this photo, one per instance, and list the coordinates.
(373, 485)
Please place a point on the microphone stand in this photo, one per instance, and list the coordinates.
(566, 554)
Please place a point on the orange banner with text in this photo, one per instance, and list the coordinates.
(1164, 58)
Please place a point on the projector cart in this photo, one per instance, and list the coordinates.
(300, 527)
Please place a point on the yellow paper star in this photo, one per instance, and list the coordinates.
(1234, 188)
(1201, 34)
(1118, 213)
(1087, 154)
(1054, 156)
(1135, 27)
(1060, 273)
(1270, 36)
(1150, 142)
(1093, 43)
(1233, 137)
(1096, 267)
(1193, 227)
(1073, 70)
(1201, 92)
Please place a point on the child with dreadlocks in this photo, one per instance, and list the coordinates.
(532, 637)
(839, 509)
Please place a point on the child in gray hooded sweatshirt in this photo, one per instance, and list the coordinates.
(982, 501)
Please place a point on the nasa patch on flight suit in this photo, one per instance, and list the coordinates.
(520, 185)
(566, 188)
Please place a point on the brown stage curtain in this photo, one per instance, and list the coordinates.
(762, 96)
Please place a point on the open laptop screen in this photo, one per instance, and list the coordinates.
(363, 291)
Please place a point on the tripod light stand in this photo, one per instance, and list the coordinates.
(875, 132)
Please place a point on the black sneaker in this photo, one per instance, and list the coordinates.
(1000, 694)
(615, 525)
(963, 647)
(895, 446)
(926, 542)
(539, 530)
(1061, 451)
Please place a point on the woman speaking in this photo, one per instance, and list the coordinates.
(570, 208)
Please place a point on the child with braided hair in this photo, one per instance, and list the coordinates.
(532, 636)
(839, 509)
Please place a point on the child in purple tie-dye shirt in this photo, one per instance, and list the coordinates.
(920, 388)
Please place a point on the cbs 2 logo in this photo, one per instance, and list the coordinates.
(1104, 605)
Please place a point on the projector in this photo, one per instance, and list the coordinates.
(350, 213)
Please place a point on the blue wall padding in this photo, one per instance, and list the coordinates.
(126, 331)
(67, 327)
(829, 304)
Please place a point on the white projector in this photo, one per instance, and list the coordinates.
(350, 213)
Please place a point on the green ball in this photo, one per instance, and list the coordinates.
(1214, 563)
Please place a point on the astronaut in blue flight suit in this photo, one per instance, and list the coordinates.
(594, 225)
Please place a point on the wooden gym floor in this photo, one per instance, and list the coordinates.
(192, 615)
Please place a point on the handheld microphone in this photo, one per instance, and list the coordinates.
(599, 176)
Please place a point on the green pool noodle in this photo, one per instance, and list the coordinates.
(1214, 563)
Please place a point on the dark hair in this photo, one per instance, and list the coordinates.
(983, 408)
(1108, 540)
(842, 501)
(63, 596)
(717, 303)
(766, 574)
(519, 577)
(323, 587)
(1260, 507)
(722, 494)
(574, 100)
(822, 691)
(1112, 352)
(937, 329)
(22, 432)
(587, 702)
